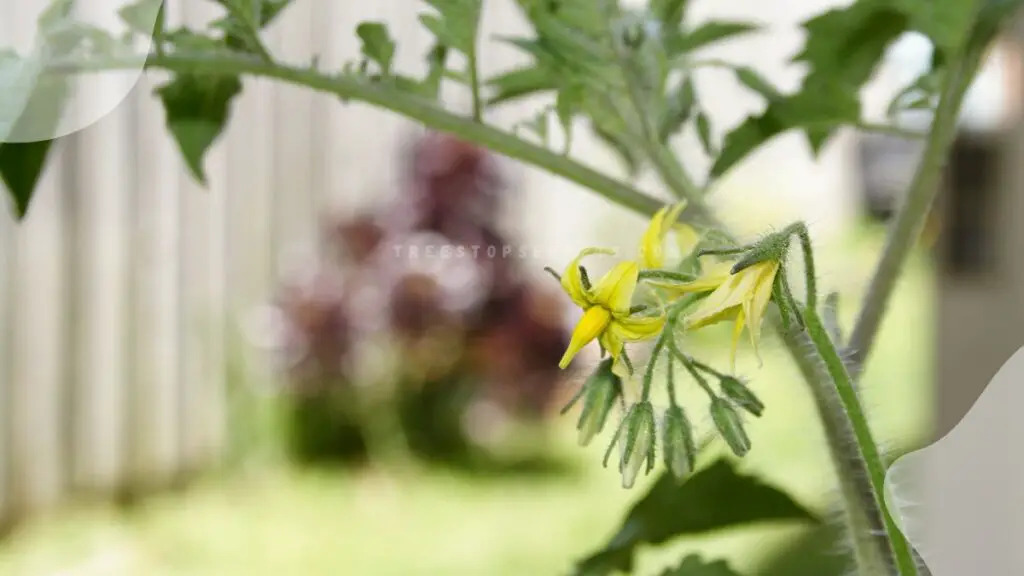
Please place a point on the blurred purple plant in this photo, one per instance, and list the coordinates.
(471, 316)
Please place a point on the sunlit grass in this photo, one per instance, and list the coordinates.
(438, 523)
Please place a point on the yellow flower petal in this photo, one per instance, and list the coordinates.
(636, 328)
(652, 253)
(593, 323)
(572, 280)
(757, 303)
(713, 277)
(737, 332)
(614, 346)
(733, 293)
(615, 290)
(687, 238)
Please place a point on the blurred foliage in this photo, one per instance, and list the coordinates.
(715, 498)
(418, 316)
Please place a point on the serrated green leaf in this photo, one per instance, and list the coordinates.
(520, 83)
(377, 44)
(197, 109)
(694, 565)
(843, 49)
(704, 133)
(679, 106)
(707, 34)
(817, 110)
(715, 498)
(755, 81)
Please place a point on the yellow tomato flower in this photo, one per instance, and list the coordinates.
(652, 252)
(606, 307)
(742, 297)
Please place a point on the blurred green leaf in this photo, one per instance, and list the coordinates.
(707, 34)
(715, 498)
(377, 44)
(755, 81)
(669, 12)
(455, 24)
(625, 151)
(197, 108)
(694, 565)
(35, 101)
(140, 16)
(245, 19)
(519, 83)
(818, 112)
(679, 106)
(947, 24)
(704, 133)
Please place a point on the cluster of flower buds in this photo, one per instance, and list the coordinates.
(470, 315)
(644, 299)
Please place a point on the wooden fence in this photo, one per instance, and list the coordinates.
(122, 291)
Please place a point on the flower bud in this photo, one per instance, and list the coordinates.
(730, 425)
(601, 391)
(638, 447)
(740, 395)
(679, 449)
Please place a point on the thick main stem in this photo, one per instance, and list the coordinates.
(865, 443)
(913, 214)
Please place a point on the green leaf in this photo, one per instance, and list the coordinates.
(21, 165)
(140, 16)
(377, 44)
(704, 133)
(947, 24)
(818, 112)
(520, 83)
(843, 49)
(694, 565)
(707, 34)
(669, 12)
(245, 19)
(35, 103)
(197, 108)
(679, 106)
(715, 498)
(755, 81)
(430, 86)
(456, 23)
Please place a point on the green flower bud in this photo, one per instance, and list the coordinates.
(639, 445)
(601, 391)
(740, 395)
(679, 450)
(730, 425)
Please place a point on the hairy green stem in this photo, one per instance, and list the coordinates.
(865, 525)
(866, 445)
(911, 219)
(408, 105)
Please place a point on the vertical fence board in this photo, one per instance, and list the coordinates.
(7, 337)
(37, 350)
(101, 154)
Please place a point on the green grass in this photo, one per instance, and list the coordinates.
(437, 523)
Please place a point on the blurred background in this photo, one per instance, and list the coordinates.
(282, 372)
